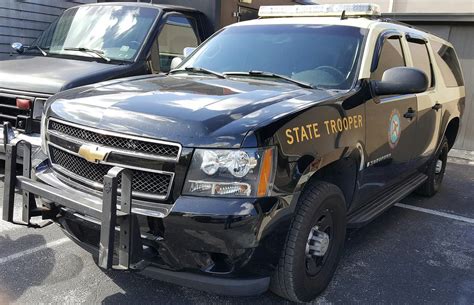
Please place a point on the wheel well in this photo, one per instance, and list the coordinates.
(452, 131)
(343, 174)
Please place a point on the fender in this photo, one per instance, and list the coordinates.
(319, 138)
(452, 111)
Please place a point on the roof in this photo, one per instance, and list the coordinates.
(361, 22)
(355, 22)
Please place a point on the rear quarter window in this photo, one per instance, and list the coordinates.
(448, 64)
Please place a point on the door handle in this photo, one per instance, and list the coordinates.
(437, 106)
(410, 114)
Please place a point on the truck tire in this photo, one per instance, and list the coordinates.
(435, 171)
(314, 244)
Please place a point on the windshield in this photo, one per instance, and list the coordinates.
(320, 55)
(116, 32)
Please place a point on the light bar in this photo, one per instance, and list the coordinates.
(323, 10)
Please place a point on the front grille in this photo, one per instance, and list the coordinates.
(9, 112)
(152, 148)
(143, 182)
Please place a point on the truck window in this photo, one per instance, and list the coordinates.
(177, 34)
(448, 64)
(321, 55)
(116, 31)
(421, 59)
(391, 56)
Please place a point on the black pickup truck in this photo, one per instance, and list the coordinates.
(241, 169)
(89, 44)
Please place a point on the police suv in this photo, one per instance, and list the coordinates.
(242, 169)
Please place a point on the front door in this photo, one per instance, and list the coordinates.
(390, 128)
(177, 32)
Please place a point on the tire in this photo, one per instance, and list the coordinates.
(435, 171)
(300, 276)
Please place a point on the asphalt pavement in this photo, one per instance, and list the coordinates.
(419, 252)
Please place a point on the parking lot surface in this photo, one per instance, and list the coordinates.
(419, 252)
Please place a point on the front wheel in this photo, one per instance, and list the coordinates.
(314, 244)
(435, 171)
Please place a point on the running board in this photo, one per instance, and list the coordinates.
(377, 206)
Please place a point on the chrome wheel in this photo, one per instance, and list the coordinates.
(319, 244)
(439, 167)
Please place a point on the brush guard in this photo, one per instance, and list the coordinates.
(109, 216)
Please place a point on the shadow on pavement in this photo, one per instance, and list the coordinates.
(141, 290)
(14, 282)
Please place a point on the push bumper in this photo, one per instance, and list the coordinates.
(117, 226)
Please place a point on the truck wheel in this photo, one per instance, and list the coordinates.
(314, 244)
(435, 171)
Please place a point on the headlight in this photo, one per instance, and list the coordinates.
(230, 172)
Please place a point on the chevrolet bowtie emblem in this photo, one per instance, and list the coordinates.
(93, 153)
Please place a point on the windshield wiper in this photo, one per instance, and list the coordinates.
(273, 75)
(39, 49)
(198, 70)
(96, 52)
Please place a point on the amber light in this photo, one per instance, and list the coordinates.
(265, 173)
(22, 103)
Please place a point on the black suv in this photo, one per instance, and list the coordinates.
(241, 170)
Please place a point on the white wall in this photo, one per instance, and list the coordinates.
(416, 6)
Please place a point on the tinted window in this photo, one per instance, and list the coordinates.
(448, 64)
(391, 56)
(421, 59)
(177, 34)
(321, 55)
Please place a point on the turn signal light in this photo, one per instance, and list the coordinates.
(23, 104)
(265, 173)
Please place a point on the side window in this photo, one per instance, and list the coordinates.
(448, 64)
(391, 56)
(421, 59)
(176, 34)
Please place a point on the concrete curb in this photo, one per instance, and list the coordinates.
(461, 156)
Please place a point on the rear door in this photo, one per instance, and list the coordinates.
(428, 105)
(391, 124)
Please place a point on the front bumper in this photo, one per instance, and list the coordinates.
(227, 246)
(34, 139)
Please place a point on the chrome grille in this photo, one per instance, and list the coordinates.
(163, 150)
(144, 183)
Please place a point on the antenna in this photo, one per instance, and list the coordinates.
(343, 15)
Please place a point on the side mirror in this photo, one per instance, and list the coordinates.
(175, 62)
(18, 47)
(187, 51)
(401, 80)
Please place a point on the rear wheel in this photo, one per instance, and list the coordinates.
(314, 244)
(435, 171)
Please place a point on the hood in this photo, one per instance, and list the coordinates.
(50, 75)
(194, 111)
